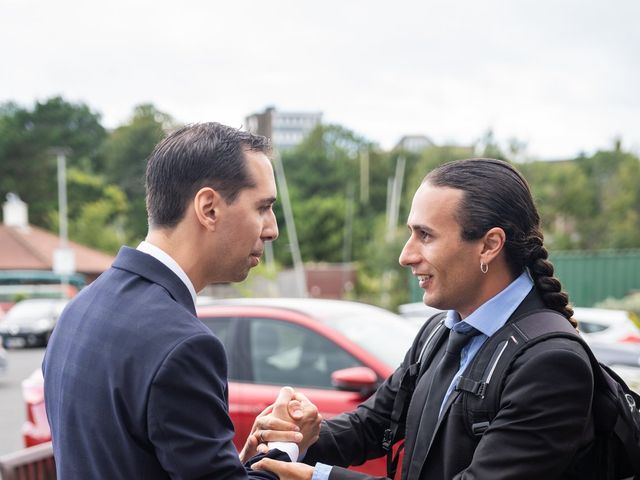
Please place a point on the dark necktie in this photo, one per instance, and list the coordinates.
(443, 375)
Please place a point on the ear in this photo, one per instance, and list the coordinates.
(206, 205)
(492, 244)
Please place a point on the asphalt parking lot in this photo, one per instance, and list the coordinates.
(21, 363)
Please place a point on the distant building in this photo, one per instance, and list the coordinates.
(414, 143)
(285, 129)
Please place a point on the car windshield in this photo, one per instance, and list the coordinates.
(379, 332)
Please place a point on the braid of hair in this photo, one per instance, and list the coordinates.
(541, 270)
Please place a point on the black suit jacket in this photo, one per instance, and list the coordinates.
(542, 427)
(136, 385)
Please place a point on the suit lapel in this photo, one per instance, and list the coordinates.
(416, 450)
(146, 266)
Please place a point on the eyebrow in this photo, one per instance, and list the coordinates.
(430, 231)
(267, 201)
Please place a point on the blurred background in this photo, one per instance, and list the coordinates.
(361, 100)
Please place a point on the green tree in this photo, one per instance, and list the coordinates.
(592, 202)
(96, 211)
(27, 167)
(320, 172)
(125, 153)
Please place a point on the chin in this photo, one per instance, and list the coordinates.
(432, 301)
(242, 276)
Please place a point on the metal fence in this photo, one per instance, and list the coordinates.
(592, 276)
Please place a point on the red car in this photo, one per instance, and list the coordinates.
(335, 352)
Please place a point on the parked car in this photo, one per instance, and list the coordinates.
(3, 360)
(615, 354)
(623, 358)
(602, 325)
(336, 352)
(417, 311)
(35, 429)
(29, 323)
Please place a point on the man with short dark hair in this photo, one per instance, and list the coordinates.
(135, 384)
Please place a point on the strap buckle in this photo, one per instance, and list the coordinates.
(387, 438)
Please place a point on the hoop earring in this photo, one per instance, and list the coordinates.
(484, 268)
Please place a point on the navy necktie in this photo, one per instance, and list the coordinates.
(443, 375)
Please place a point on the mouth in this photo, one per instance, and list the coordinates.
(255, 258)
(424, 279)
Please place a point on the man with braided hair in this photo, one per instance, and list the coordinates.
(477, 251)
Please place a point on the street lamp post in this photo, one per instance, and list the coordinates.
(63, 257)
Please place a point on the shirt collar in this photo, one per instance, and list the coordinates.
(164, 258)
(495, 312)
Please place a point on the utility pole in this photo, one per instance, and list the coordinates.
(393, 199)
(298, 266)
(364, 176)
(63, 256)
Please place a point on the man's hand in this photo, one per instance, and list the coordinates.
(285, 470)
(292, 418)
(308, 419)
(269, 427)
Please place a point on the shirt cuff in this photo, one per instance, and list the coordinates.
(289, 448)
(321, 471)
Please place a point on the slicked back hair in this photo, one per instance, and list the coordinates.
(193, 157)
(495, 194)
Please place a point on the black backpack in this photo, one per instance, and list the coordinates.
(615, 405)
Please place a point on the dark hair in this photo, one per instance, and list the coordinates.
(497, 195)
(195, 156)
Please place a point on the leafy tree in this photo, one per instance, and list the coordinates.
(319, 173)
(125, 153)
(27, 166)
(592, 202)
(96, 211)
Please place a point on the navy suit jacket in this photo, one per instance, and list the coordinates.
(136, 385)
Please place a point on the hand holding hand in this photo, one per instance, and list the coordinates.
(308, 419)
(292, 418)
(271, 428)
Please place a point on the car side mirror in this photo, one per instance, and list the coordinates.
(356, 379)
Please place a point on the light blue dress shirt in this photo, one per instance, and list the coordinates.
(488, 319)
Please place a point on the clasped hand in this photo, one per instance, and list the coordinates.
(292, 418)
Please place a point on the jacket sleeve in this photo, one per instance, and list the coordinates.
(353, 438)
(188, 417)
(544, 407)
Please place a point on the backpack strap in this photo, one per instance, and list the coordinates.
(483, 379)
(430, 337)
(615, 405)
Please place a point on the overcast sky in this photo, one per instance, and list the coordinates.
(562, 75)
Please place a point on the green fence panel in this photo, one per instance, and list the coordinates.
(592, 276)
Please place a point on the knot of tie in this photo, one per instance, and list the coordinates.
(458, 339)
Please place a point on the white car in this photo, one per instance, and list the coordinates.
(417, 311)
(3, 360)
(610, 326)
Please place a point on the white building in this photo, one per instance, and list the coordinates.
(285, 129)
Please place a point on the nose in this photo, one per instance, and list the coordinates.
(270, 230)
(408, 254)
